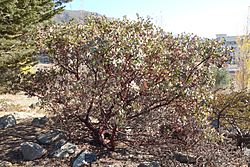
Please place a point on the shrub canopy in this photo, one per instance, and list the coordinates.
(124, 73)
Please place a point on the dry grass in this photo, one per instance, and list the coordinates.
(19, 99)
(20, 105)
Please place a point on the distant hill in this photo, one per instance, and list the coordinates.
(76, 15)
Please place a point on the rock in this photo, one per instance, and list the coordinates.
(84, 158)
(5, 164)
(184, 158)
(7, 121)
(64, 151)
(59, 144)
(247, 152)
(51, 137)
(90, 157)
(40, 122)
(149, 164)
(32, 151)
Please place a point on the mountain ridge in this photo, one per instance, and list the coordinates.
(76, 15)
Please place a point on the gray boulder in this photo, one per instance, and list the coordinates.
(40, 122)
(32, 151)
(84, 158)
(149, 164)
(64, 150)
(59, 144)
(184, 158)
(7, 121)
(51, 137)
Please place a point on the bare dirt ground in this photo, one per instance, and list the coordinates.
(20, 106)
(10, 138)
(24, 131)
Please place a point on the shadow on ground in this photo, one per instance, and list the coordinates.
(12, 137)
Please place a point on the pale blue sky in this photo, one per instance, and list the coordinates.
(202, 17)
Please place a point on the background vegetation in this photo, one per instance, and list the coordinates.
(18, 20)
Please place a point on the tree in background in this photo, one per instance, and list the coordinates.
(109, 75)
(18, 18)
(243, 75)
(222, 78)
(231, 110)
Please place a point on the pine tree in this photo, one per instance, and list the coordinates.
(18, 19)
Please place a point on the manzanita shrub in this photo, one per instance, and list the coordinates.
(112, 75)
